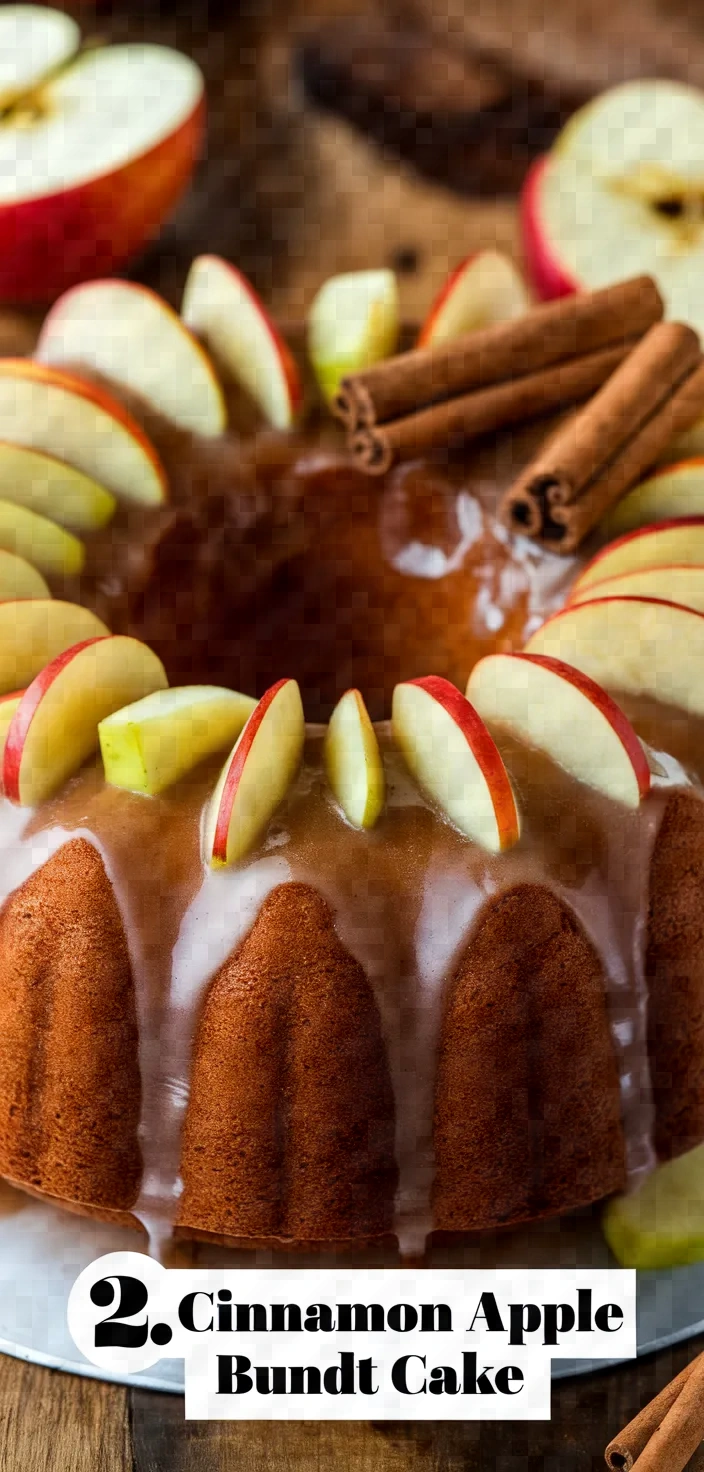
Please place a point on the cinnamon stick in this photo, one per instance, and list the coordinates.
(375, 448)
(593, 460)
(681, 1430)
(541, 338)
(622, 1453)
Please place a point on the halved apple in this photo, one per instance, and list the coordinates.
(671, 491)
(560, 710)
(55, 726)
(57, 412)
(226, 314)
(353, 761)
(34, 631)
(679, 584)
(644, 646)
(151, 744)
(353, 322)
(49, 546)
(129, 335)
(661, 1224)
(18, 579)
(680, 542)
(34, 41)
(52, 488)
(452, 756)
(484, 289)
(256, 775)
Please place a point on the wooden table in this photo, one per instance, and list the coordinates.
(292, 197)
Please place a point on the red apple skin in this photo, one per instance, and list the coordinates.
(442, 296)
(546, 275)
(24, 715)
(572, 608)
(608, 707)
(483, 748)
(93, 229)
(232, 780)
(288, 362)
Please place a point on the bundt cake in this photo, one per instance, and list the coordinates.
(351, 1034)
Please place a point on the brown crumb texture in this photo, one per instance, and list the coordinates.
(675, 974)
(290, 1124)
(527, 1106)
(69, 1069)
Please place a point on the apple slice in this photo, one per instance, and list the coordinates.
(53, 488)
(34, 631)
(678, 584)
(353, 322)
(484, 289)
(8, 706)
(644, 646)
(51, 410)
(18, 579)
(680, 541)
(671, 491)
(226, 314)
(129, 335)
(454, 759)
(33, 43)
(256, 775)
(152, 744)
(556, 708)
(660, 1225)
(353, 761)
(49, 546)
(55, 726)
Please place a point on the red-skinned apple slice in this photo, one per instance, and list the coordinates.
(225, 313)
(49, 546)
(353, 761)
(34, 631)
(130, 336)
(560, 710)
(547, 274)
(484, 289)
(671, 491)
(18, 579)
(55, 726)
(676, 584)
(452, 756)
(256, 775)
(679, 541)
(643, 646)
(54, 489)
(61, 414)
(91, 170)
(8, 706)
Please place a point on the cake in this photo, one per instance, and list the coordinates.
(351, 1034)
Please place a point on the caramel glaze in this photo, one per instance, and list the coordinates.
(493, 1008)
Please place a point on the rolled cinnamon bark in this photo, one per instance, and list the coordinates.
(586, 467)
(680, 1432)
(544, 336)
(451, 423)
(624, 1450)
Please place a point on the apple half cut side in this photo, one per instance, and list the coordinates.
(19, 579)
(676, 584)
(33, 43)
(561, 711)
(61, 414)
(642, 646)
(47, 545)
(55, 726)
(227, 316)
(130, 336)
(661, 1224)
(152, 743)
(91, 172)
(680, 541)
(54, 489)
(35, 630)
(353, 762)
(256, 775)
(671, 491)
(454, 759)
(353, 322)
(484, 289)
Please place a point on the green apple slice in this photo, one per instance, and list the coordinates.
(662, 1224)
(149, 745)
(18, 579)
(353, 322)
(353, 761)
(52, 488)
(48, 546)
